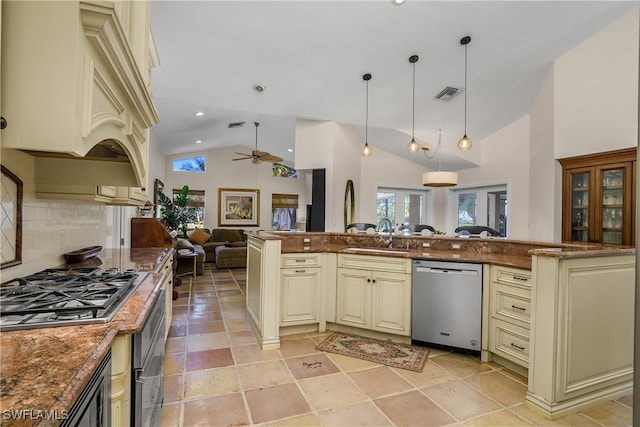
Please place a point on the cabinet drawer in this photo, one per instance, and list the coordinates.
(377, 263)
(511, 276)
(511, 303)
(300, 260)
(509, 341)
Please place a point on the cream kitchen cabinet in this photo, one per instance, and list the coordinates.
(300, 289)
(130, 196)
(121, 381)
(75, 89)
(374, 293)
(510, 314)
(167, 285)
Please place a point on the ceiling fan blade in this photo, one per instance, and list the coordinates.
(242, 154)
(243, 158)
(271, 158)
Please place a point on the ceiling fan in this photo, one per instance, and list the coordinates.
(256, 156)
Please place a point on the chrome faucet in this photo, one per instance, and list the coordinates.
(389, 242)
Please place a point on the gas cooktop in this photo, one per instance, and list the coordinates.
(61, 297)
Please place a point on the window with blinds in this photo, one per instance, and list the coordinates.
(284, 209)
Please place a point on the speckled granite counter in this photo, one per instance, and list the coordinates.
(509, 253)
(43, 371)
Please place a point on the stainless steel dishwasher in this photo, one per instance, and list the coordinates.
(447, 304)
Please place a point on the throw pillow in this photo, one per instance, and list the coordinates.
(199, 237)
(184, 244)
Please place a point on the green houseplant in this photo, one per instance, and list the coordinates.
(177, 213)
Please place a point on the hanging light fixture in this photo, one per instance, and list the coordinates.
(465, 142)
(366, 150)
(413, 146)
(438, 178)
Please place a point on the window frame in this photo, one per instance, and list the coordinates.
(482, 191)
(427, 211)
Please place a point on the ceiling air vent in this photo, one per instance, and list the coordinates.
(448, 93)
(236, 125)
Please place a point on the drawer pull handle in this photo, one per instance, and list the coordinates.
(300, 271)
(518, 308)
(300, 260)
(522, 279)
(517, 346)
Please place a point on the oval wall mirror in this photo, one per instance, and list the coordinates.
(349, 204)
(11, 219)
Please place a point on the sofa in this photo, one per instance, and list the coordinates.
(226, 247)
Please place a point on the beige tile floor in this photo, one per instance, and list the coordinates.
(216, 375)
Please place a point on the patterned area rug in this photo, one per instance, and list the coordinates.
(403, 356)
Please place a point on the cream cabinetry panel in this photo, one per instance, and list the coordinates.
(300, 289)
(121, 381)
(167, 285)
(374, 293)
(582, 336)
(95, 193)
(510, 341)
(130, 196)
(510, 313)
(76, 85)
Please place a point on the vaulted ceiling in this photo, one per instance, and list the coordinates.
(310, 57)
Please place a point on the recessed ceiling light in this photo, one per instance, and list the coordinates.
(259, 88)
(290, 150)
(397, 2)
(199, 113)
(199, 141)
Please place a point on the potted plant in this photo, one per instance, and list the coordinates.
(177, 213)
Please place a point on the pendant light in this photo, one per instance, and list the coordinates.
(465, 142)
(366, 150)
(439, 178)
(413, 146)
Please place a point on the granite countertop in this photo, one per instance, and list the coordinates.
(504, 252)
(47, 369)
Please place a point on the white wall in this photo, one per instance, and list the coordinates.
(545, 174)
(336, 148)
(223, 172)
(596, 92)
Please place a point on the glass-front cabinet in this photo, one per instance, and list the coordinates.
(599, 198)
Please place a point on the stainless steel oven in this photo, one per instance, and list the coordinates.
(148, 368)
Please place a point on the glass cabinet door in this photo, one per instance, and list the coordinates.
(580, 207)
(612, 184)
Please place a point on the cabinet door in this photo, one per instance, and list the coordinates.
(577, 207)
(599, 198)
(299, 296)
(391, 303)
(614, 216)
(354, 298)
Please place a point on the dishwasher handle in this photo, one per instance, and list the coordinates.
(437, 270)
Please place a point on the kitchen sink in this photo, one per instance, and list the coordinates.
(378, 250)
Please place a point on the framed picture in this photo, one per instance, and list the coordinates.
(238, 207)
(11, 219)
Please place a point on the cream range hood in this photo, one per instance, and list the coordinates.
(75, 94)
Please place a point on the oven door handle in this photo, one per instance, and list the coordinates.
(140, 379)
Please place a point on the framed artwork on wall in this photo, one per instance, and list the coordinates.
(238, 207)
(11, 219)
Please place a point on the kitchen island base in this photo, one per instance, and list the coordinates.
(582, 333)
